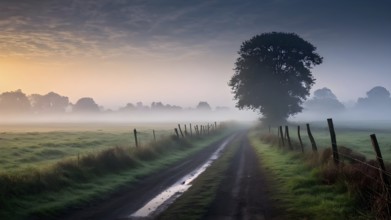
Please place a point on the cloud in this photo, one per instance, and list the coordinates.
(107, 29)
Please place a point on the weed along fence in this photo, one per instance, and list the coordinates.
(157, 148)
(29, 149)
(199, 130)
(370, 178)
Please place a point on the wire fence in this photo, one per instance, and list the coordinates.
(373, 175)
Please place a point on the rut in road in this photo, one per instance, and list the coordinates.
(129, 199)
(244, 192)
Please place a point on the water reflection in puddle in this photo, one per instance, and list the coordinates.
(161, 201)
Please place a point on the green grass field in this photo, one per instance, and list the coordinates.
(48, 186)
(26, 146)
(300, 190)
(357, 138)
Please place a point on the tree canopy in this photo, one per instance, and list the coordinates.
(273, 74)
(14, 102)
(377, 98)
(203, 106)
(324, 101)
(49, 103)
(86, 105)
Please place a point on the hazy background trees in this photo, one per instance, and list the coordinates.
(49, 103)
(86, 105)
(377, 98)
(203, 106)
(324, 101)
(14, 102)
(376, 105)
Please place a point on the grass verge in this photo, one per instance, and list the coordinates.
(300, 190)
(44, 193)
(193, 204)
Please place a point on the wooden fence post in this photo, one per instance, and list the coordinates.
(191, 130)
(176, 132)
(333, 141)
(135, 137)
(288, 138)
(186, 134)
(180, 130)
(282, 136)
(278, 137)
(383, 174)
(154, 136)
(301, 142)
(313, 143)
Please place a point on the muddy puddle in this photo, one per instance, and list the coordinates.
(168, 196)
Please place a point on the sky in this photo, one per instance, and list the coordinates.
(182, 52)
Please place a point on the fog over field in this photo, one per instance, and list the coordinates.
(181, 52)
(18, 107)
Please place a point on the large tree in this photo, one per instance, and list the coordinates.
(273, 74)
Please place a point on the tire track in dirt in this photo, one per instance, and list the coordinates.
(244, 192)
(129, 199)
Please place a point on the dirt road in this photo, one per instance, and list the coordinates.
(243, 194)
(128, 200)
(245, 191)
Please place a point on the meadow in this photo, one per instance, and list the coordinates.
(355, 136)
(74, 165)
(357, 174)
(35, 145)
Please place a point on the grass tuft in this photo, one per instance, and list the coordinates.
(303, 187)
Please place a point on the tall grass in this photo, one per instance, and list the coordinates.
(357, 179)
(35, 187)
(23, 149)
(299, 187)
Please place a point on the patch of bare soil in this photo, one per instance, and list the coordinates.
(245, 192)
(129, 199)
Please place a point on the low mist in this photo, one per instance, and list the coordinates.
(374, 109)
(133, 117)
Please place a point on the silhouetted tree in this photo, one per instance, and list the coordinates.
(141, 107)
(86, 105)
(203, 106)
(15, 102)
(324, 93)
(324, 101)
(158, 106)
(127, 108)
(377, 98)
(49, 103)
(272, 74)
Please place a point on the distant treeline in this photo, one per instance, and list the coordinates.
(377, 104)
(17, 102)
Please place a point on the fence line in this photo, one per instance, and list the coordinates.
(381, 179)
